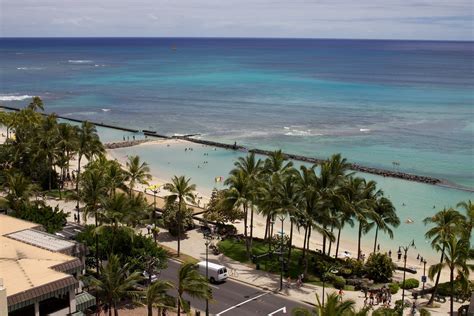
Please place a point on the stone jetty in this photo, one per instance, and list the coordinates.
(128, 143)
(353, 166)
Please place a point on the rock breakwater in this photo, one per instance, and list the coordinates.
(353, 166)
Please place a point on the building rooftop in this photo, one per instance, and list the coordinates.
(42, 240)
(30, 262)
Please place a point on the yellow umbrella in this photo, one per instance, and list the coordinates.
(154, 187)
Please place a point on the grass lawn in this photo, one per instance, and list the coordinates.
(65, 195)
(236, 250)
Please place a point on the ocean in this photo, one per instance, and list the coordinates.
(404, 105)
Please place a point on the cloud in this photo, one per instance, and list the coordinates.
(410, 19)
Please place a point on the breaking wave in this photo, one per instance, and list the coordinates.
(14, 97)
(79, 61)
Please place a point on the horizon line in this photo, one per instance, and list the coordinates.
(235, 37)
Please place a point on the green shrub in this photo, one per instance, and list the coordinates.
(338, 282)
(356, 267)
(394, 287)
(424, 312)
(120, 242)
(379, 267)
(170, 219)
(444, 289)
(384, 311)
(52, 219)
(327, 277)
(410, 284)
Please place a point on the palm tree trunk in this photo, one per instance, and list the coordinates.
(115, 310)
(338, 239)
(245, 231)
(179, 306)
(150, 309)
(358, 242)
(376, 233)
(452, 290)
(77, 181)
(267, 227)
(49, 173)
(251, 227)
(179, 226)
(304, 241)
(430, 302)
(330, 242)
(97, 246)
(110, 310)
(290, 241)
(307, 247)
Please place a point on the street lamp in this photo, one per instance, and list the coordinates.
(405, 249)
(282, 219)
(423, 278)
(330, 269)
(207, 243)
(155, 189)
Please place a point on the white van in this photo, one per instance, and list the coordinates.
(215, 272)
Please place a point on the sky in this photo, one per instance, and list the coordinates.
(370, 19)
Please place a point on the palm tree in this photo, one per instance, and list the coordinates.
(332, 307)
(36, 104)
(181, 191)
(469, 208)
(274, 164)
(456, 254)
(388, 217)
(191, 282)
(236, 197)
(445, 225)
(309, 207)
(137, 172)
(20, 190)
(93, 193)
(88, 145)
(332, 175)
(115, 283)
(287, 197)
(67, 144)
(116, 176)
(251, 168)
(48, 144)
(361, 196)
(156, 295)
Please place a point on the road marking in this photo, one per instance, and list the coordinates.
(283, 309)
(240, 304)
(216, 287)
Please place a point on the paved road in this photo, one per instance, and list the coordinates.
(228, 295)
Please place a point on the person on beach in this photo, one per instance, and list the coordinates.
(340, 294)
(288, 282)
(390, 253)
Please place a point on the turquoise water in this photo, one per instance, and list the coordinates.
(375, 102)
(418, 198)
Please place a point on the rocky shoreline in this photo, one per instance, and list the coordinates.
(128, 143)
